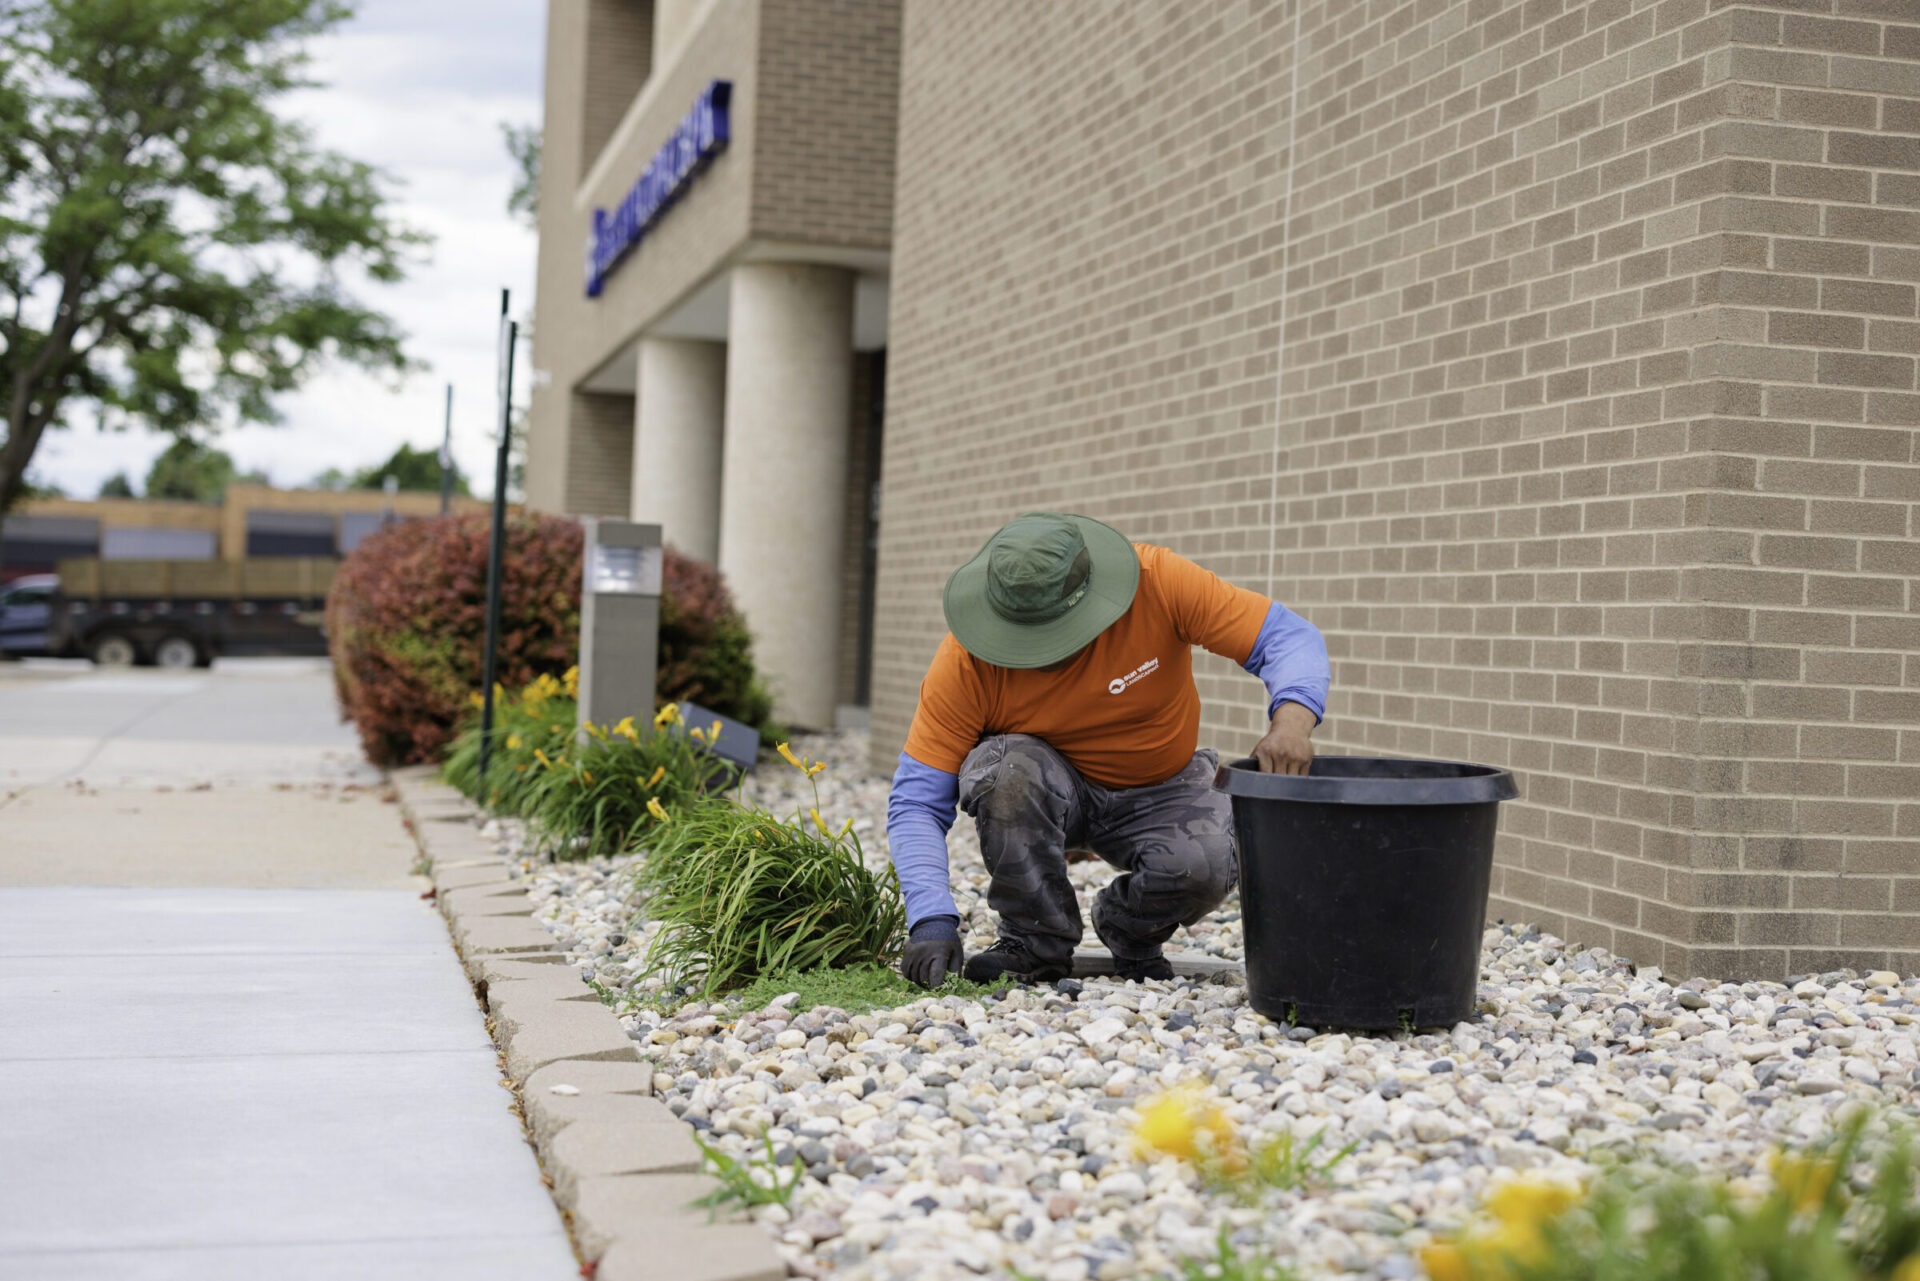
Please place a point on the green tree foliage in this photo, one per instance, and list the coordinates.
(171, 249)
(523, 144)
(116, 486)
(415, 469)
(197, 473)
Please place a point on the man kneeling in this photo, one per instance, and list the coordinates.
(1060, 712)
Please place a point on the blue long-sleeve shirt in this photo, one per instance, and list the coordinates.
(1289, 656)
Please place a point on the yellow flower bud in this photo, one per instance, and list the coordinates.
(542, 758)
(656, 809)
(587, 775)
(820, 823)
(659, 773)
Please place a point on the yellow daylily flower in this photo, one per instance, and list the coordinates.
(513, 742)
(713, 732)
(571, 682)
(659, 772)
(1530, 1202)
(596, 731)
(1803, 1180)
(1444, 1261)
(815, 768)
(697, 735)
(667, 715)
(655, 808)
(1184, 1122)
(624, 728)
(786, 754)
(475, 699)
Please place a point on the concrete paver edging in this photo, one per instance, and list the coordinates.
(622, 1165)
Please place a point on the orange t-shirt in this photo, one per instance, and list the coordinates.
(1124, 711)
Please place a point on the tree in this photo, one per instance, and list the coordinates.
(116, 486)
(171, 250)
(194, 472)
(414, 469)
(523, 144)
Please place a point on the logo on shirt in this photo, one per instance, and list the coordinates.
(1119, 684)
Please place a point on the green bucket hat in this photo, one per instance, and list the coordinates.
(1041, 589)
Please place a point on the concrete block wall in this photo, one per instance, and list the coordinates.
(1556, 358)
(573, 335)
(600, 455)
(616, 60)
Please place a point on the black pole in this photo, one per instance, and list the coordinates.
(496, 552)
(446, 458)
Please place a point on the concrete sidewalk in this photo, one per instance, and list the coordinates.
(233, 1040)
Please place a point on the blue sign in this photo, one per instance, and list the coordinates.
(700, 137)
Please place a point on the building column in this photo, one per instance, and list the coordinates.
(789, 384)
(676, 450)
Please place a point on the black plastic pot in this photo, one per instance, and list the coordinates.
(1363, 887)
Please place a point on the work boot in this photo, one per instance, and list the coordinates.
(1008, 960)
(1152, 967)
(1138, 969)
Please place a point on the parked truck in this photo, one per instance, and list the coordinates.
(186, 613)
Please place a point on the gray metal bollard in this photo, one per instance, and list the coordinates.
(619, 620)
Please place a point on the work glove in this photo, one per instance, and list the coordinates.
(932, 952)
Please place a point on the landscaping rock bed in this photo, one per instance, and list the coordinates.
(953, 1137)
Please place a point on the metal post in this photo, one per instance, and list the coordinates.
(496, 552)
(446, 458)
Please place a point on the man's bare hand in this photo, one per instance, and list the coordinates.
(1288, 746)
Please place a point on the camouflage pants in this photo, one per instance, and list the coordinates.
(1173, 841)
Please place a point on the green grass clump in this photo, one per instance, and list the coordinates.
(598, 797)
(584, 795)
(1228, 1264)
(857, 989)
(739, 893)
(1847, 1209)
(746, 1183)
(536, 723)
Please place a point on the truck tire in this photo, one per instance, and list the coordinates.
(112, 649)
(176, 651)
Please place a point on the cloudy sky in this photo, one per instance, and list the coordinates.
(422, 98)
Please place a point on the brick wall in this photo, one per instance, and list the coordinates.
(1557, 359)
(829, 80)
